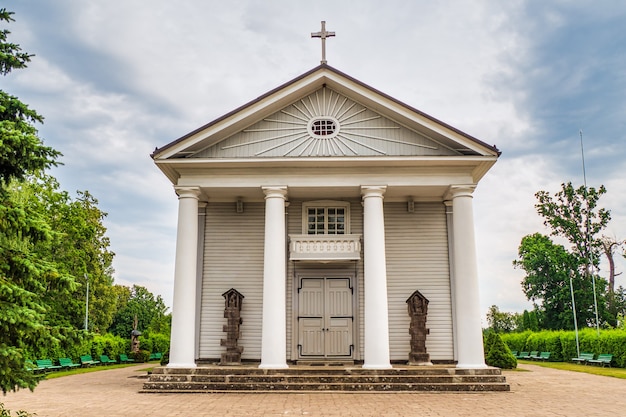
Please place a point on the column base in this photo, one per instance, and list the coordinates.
(266, 366)
(377, 366)
(471, 366)
(181, 365)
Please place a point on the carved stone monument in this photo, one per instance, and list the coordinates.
(232, 313)
(418, 311)
(134, 336)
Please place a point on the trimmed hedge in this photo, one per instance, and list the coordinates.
(562, 344)
(155, 342)
(81, 343)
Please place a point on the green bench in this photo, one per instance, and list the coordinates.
(46, 364)
(104, 359)
(603, 359)
(87, 360)
(125, 359)
(68, 363)
(522, 355)
(534, 355)
(584, 358)
(31, 366)
(155, 356)
(544, 356)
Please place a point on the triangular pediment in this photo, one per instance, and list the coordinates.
(325, 123)
(324, 113)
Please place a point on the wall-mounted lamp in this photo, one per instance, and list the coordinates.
(239, 206)
(410, 206)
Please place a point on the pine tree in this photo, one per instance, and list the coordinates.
(498, 354)
(22, 153)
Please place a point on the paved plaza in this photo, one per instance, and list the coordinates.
(535, 391)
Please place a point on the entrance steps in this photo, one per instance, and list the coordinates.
(311, 379)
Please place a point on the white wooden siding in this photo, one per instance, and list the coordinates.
(417, 259)
(233, 258)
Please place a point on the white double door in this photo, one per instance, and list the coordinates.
(325, 318)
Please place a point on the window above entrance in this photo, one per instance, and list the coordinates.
(325, 234)
(326, 218)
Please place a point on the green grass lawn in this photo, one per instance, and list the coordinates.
(589, 369)
(76, 371)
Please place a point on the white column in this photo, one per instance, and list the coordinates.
(468, 329)
(274, 324)
(376, 349)
(183, 343)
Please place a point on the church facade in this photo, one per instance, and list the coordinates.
(326, 204)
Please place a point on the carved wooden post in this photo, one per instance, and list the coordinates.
(418, 311)
(232, 313)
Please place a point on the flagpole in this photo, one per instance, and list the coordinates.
(590, 253)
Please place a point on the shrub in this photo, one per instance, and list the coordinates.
(155, 342)
(140, 356)
(109, 344)
(499, 354)
(7, 413)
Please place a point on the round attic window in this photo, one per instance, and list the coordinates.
(323, 127)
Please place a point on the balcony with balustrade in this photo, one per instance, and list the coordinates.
(325, 248)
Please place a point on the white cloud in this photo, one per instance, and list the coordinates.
(504, 213)
(116, 79)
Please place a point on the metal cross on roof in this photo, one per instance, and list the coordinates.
(323, 35)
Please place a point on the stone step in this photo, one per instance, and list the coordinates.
(324, 379)
(150, 387)
(309, 370)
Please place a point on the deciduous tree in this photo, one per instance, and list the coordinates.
(148, 309)
(548, 269)
(501, 321)
(573, 214)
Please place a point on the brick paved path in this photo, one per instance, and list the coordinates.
(538, 392)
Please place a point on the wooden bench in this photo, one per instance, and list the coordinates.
(105, 359)
(125, 359)
(68, 363)
(522, 355)
(155, 356)
(544, 356)
(46, 364)
(87, 360)
(603, 359)
(584, 358)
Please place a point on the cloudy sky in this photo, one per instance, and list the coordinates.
(117, 78)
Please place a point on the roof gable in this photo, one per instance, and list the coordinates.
(325, 123)
(367, 123)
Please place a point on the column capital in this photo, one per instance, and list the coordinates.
(187, 192)
(275, 192)
(373, 190)
(463, 190)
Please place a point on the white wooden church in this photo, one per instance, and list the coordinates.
(326, 204)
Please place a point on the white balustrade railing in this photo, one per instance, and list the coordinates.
(324, 247)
